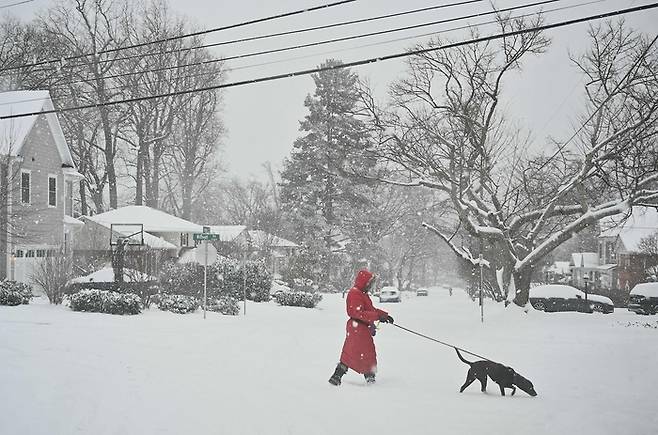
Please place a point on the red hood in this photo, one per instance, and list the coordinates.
(362, 279)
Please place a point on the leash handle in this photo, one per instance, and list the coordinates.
(442, 342)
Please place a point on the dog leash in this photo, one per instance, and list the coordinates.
(442, 342)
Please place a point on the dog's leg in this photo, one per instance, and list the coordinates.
(502, 390)
(483, 383)
(513, 390)
(470, 377)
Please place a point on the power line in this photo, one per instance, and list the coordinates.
(328, 41)
(187, 35)
(351, 64)
(16, 4)
(340, 50)
(290, 32)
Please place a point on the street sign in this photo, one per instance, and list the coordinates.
(204, 236)
(205, 255)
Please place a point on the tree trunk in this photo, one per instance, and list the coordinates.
(522, 280)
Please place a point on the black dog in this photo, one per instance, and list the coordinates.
(504, 376)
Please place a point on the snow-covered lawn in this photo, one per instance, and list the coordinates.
(63, 372)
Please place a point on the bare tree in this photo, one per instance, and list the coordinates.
(52, 274)
(80, 27)
(444, 129)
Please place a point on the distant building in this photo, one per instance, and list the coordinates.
(584, 264)
(619, 243)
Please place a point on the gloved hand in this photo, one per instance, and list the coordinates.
(386, 319)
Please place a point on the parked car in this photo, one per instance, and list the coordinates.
(644, 298)
(422, 292)
(559, 297)
(390, 294)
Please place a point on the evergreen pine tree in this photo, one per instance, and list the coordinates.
(318, 180)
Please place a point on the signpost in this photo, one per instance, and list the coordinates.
(205, 256)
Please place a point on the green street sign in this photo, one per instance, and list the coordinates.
(204, 236)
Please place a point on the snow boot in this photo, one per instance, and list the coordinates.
(370, 378)
(341, 369)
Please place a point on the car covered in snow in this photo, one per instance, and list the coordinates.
(422, 292)
(559, 297)
(390, 294)
(644, 298)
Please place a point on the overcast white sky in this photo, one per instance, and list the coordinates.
(263, 119)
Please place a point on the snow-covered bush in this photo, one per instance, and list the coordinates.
(226, 305)
(14, 293)
(180, 304)
(259, 281)
(225, 278)
(102, 301)
(298, 299)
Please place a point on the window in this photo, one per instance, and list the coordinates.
(25, 187)
(52, 191)
(184, 239)
(41, 253)
(19, 253)
(29, 253)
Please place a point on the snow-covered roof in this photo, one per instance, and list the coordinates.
(642, 223)
(227, 233)
(261, 238)
(189, 256)
(150, 240)
(14, 131)
(646, 289)
(585, 259)
(154, 221)
(106, 274)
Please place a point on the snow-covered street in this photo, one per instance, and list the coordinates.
(66, 372)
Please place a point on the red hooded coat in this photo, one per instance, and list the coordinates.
(359, 348)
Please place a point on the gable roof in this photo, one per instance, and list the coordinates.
(585, 259)
(150, 240)
(227, 233)
(154, 220)
(14, 131)
(642, 223)
(261, 238)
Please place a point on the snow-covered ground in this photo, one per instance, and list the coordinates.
(63, 372)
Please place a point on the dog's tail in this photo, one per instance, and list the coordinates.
(462, 358)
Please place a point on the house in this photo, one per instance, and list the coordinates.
(161, 236)
(38, 178)
(559, 271)
(236, 241)
(584, 266)
(620, 244)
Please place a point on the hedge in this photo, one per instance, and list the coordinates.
(103, 301)
(14, 293)
(180, 304)
(298, 299)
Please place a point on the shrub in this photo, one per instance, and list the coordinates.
(181, 304)
(144, 290)
(52, 273)
(14, 293)
(298, 299)
(225, 278)
(226, 305)
(102, 301)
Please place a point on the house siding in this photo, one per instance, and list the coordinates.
(37, 223)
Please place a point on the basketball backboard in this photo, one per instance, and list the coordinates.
(128, 234)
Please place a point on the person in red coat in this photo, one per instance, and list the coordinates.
(359, 348)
